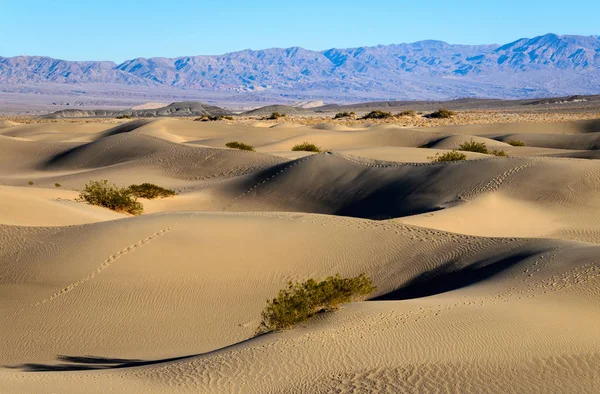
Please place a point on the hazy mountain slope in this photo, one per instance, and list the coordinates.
(543, 66)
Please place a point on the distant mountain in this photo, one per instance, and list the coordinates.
(548, 65)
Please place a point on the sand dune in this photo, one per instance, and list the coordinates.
(488, 270)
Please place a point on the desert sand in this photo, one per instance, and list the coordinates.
(487, 270)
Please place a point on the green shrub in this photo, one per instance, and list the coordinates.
(306, 147)
(111, 197)
(472, 146)
(378, 115)
(30, 183)
(57, 185)
(341, 115)
(497, 152)
(303, 300)
(442, 113)
(239, 145)
(516, 143)
(275, 116)
(211, 118)
(150, 191)
(124, 117)
(409, 112)
(448, 156)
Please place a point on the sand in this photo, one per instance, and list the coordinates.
(487, 270)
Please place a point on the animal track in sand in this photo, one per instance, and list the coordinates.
(103, 266)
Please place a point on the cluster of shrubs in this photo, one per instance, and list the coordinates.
(453, 155)
(124, 117)
(516, 143)
(306, 147)
(303, 300)
(239, 145)
(407, 113)
(274, 116)
(378, 115)
(211, 118)
(119, 199)
(480, 147)
(442, 113)
(342, 115)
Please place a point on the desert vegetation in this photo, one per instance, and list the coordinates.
(441, 113)
(211, 118)
(150, 191)
(30, 183)
(57, 185)
(306, 147)
(378, 115)
(275, 116)
(239, 145)
(497, 152)
(124, 117)
(342, 115)
(453, 155)
(473, 146)
(516, 143)
(407, 113)
(110, 196)
(303, 300)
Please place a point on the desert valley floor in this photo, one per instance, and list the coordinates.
(488, 269)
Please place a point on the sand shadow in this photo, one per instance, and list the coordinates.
(450, 277)
(89, 363)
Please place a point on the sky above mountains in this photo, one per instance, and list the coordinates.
(117, 30)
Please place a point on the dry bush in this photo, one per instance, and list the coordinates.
(150, 191)
(239, 145)
(275, 116)
(303, 300)
(341, 115)
(497, 152)
(110, 196)
(407, 113)
(378, 115)
(472, 146)
(441, 113)
(448, 156)
(306, 147)
(516, 143)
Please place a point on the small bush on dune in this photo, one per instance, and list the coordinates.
(30, 183)
(497, 152)
(472, 146)
(341, 115)
(448, 156)
(303, 300)
(239, 145)
(306, 147)
(57, 185)
(275, 116)
(378, 115)
(210, 118)
(150, 191)
(516, 143)
(407, 113)
(112, 197)
(442, 113)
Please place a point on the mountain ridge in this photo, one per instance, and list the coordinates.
(548, 65)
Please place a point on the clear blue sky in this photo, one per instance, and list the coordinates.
(119, 30)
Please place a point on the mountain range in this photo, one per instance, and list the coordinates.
(548, 65)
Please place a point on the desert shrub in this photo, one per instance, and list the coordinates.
(30, 183)
(150, 191)
(341, 115)
(377, 115)
(448, 156)
(239, 145)
(124, 117)
(275, 116)
(57, 185)
(211, 118)
(497, 152)
(442, 113)
(110, 196)
(302, 300)
(473, 146)
(409, 112)
(516, 143)
(306, 147)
